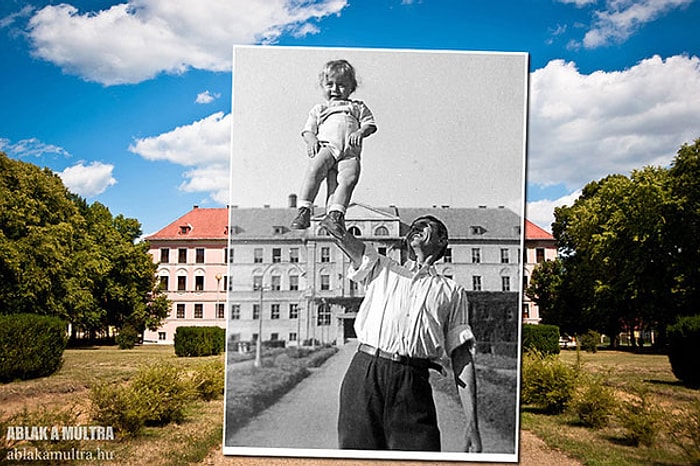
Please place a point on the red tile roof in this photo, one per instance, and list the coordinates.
(196, 224)
(532, 231)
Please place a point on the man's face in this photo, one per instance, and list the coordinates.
(425, 235)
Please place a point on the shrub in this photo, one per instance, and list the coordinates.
(589, 341)
(199, 341)
(543, 338)
(641, 418)
(128, 337)
(31, 346)
(118, 406)
(208, 380)
(547, 382)
(683, 337)
(163, 391)
(685, 432)
(593, 402)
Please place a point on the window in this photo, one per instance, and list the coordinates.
(181, 283)
(293, 254)
(476, 283)
(198, 311)
(477, 230)
(199, 283)
(235, 311)
(505, 257)
(324, 314)
(526, 280)
(180, 311)
(165, 255)
(539, 254)
(276, 283)
(505, 283)
(228, 255)
(182, 255)
(199, 255)
(526, 310)
(293, 282)
(257, 282)
(161, 336)
(258, 255)
(274, 336)
(228, 285)
(293, 311)
(276, 255)
(275, 311)
(325, 254)
(448, 255)
(353, 286)
(325, 282)
(292, 336)
(476, 256)
(164, 283)
(220, 310)
(381, 231)
(256, 311)
(354, 231)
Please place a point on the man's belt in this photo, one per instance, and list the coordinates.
(421, 363)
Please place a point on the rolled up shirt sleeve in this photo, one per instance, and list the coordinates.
(458, 331)
(370, 258)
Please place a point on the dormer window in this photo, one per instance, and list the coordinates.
(279, 230)
(185, 229)
(477, 230)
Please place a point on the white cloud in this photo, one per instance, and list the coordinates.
(203, 145)
(135, 41)
(578, 3)
(584, 127)
(622, 18)
(206, 97)
(542, 212)
(88, 180)
(31, 147)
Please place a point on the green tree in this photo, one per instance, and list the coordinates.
(61, 256)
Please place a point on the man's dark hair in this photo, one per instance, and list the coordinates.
(441, 230)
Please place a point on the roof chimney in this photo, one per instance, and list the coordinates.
(292, 201)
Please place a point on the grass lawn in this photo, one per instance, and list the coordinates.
(622, 371)
(44, 401)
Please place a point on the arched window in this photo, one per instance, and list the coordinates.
(355, 231)
(381, 231)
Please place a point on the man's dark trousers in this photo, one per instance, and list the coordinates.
(386, 405)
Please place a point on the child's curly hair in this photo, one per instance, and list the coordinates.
(336, 68)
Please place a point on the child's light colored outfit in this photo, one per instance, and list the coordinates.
(332, 122)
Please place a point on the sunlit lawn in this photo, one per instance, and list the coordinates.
(623, 371)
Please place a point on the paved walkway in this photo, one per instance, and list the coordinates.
(306, 417)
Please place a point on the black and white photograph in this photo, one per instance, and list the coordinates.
(375, 241)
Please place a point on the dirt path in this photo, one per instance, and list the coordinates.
(533, 452)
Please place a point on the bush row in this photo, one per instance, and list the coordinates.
(30, 346)
(199, 341)
(556, 387)
(542, 338)
(158, 395)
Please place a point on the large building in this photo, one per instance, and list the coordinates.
(540, 246)
(290, 285)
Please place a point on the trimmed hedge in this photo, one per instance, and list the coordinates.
(683, 337)
(31, 346)
(541, 337)
(199, 341)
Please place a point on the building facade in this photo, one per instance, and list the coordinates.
(540, 246)
(245, 267)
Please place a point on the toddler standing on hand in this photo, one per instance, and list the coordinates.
(333, 134)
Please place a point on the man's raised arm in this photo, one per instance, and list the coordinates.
(351, 246)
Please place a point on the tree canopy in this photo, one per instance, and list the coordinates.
(61, 256)
(629, 255)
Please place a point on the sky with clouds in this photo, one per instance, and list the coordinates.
(130, 101)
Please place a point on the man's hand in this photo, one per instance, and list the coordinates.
(473, 442)
(355, 138)
(312, 148)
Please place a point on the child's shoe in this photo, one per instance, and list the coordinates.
(303, 219)
(334, 222)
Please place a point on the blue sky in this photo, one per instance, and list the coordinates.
(130, 102)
